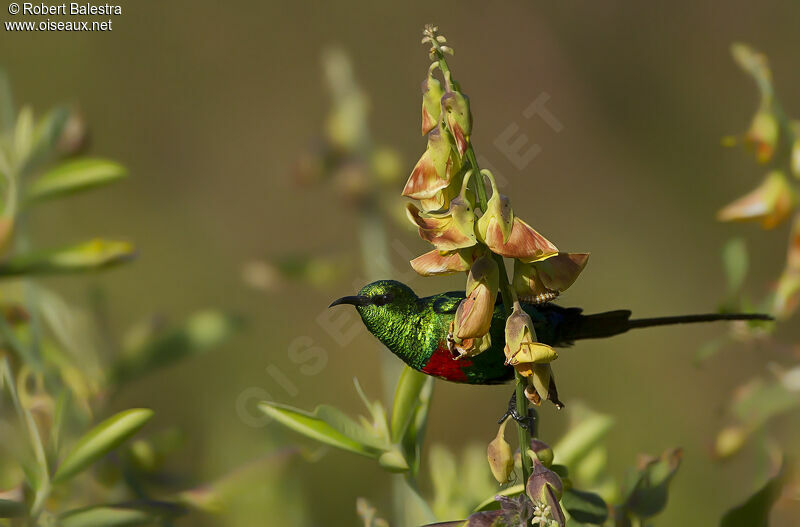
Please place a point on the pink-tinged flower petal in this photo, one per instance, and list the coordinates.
(443, 231)
(542, 281)
(787, 292)
(431, 100)
(763, 135)
(770, 203)
(439, 263)
(434, 170)
(498, 210)
(473, 317)
(455, 106)
(524, 243)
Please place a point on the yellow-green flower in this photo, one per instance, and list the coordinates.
(770, 204)
(498, 214)
(434, 170)
(542, 281)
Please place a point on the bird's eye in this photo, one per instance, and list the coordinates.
(382, 300)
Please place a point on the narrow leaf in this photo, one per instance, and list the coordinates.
(588, 430)
(201, 332)
(124, 515)
(313, 426)
(649, 494)
(11, 509)
(406, 401)
(734, 258)
(101, 440)
(755, 511)
(45, 138)
(7, 112)
(91, 255)
(585, 507)
(75, 176)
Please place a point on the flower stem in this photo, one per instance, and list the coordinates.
(524, 435)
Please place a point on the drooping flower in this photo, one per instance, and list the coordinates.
(473, 317)
(770, 203)
(498, 213)
(542, 281)
(434, 170)
(524, 243)
(440, 263)
(455, 106)
(431, 100)
(787, 293)
(522, 350)
(449, 230)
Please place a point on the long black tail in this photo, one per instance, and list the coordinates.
(613, 323)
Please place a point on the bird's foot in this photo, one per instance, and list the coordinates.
(525, 421)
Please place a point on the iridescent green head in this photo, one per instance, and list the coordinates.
(382, 304)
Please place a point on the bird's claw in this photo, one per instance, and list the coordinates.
(516, 416)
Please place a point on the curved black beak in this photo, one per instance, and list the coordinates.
(352, 300)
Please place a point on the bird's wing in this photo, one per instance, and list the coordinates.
(447, 303)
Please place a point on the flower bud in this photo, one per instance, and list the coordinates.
(455, 106)
(474, 314)
(431, 100)
(770, 203)
(501, 458)
(542, 281)
(729, 441)
(545, 488)
(498, 214)
(543, 452)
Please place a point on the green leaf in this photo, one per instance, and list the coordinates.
(120, 515)
(735, 261)
(755, 511)
(649, 494)
(315, 427)
(75, 176)
(45, 138)
(492, 504)
(585, 507)
(87, 256)
(11, 509)
(406, 401)
(587, 430)
(201, 332)
(415, 433)
(7, 111)
(101, 440)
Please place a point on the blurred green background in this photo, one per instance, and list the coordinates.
(210, 104)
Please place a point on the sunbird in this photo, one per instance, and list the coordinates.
(416, 329)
